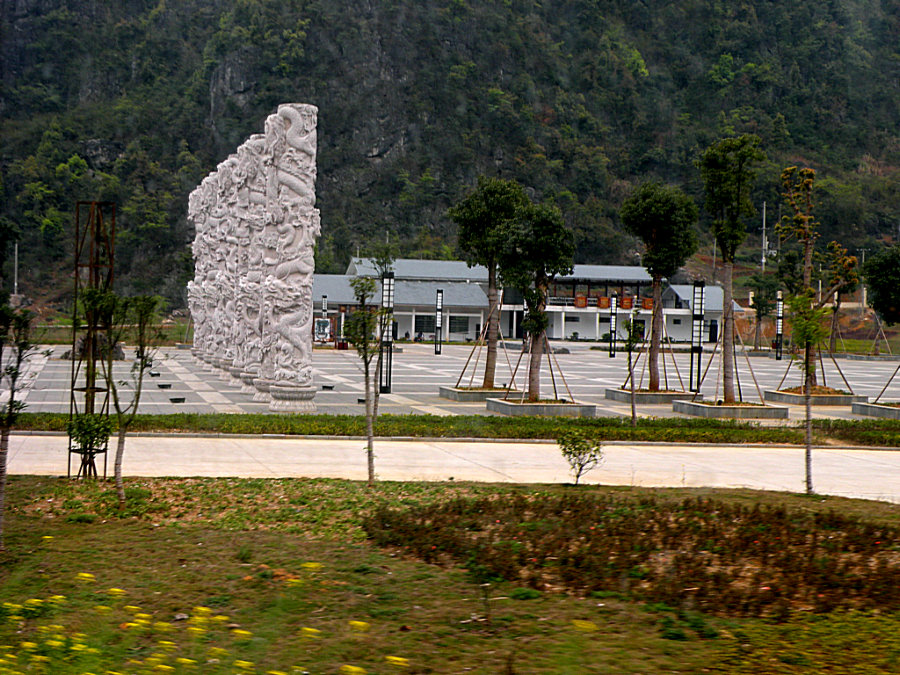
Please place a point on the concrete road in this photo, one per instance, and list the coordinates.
(850, 472)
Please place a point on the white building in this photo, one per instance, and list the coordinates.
(579, 303)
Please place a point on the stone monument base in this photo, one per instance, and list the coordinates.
(247, 378)
(262, 386)
(234, 376)
(292, 398)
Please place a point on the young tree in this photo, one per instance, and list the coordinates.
(582, 452)
(807, 329)
(727, 168)
(539, 247)
(842, 269)
(765, 291)
(360, 329)
(121, 317)
(663, 218)
(15, 347)
(480, 218)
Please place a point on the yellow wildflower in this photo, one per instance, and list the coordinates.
(102, 609)
(241, 634)
(586, 626)
(293, 581)
(55, 644)
(28, 646)
(196, 631)
(202, 611)
(397, 661)
(220, 618)
(217, 652)
(132, 609)
(162, 627)
(312, 566)
(47, 538)
(310, 632)
(353, 670)
(186, 662)
(56, 599)
(86, 577)
(168, 645)
(116, 592)
(243, 665)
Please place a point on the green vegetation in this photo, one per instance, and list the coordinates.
(434, 426)
(875, 432)
(136, 102)
(251, 575)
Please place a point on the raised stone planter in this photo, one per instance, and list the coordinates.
(816, 399)
(751, 412)
(650, 397)
(515, 408)
(465, 395)
(876, 410)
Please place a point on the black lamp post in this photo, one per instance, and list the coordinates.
(779, 325)
(438, 320)
(613, 323)
(697, 331)
(387, 335)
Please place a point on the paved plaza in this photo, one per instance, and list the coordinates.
(418, 373)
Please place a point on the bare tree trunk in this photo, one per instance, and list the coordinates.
(4, 448)
(117, 467)
(757, 333)
(807, 395)
(490, 364)
(370, 427)
(655, 335)
(727, 334)
(832, 339)
(534, 366)
(631, 379)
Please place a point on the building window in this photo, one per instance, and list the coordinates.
(459, 324)
(573, 319)
(676, 322)
(424, 323)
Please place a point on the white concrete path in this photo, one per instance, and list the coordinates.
(850, 472)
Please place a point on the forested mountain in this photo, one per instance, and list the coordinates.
(135, 101)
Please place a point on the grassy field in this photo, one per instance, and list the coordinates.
(278, 576)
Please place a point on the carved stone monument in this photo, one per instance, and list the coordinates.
(251, 297)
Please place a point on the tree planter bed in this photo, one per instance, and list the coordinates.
(758, 412)
(877, 410)
(467, 395)
(649, 397)
(546, 409)
(816, 399)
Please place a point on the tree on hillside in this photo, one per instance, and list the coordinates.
(539, 247)
(120, 318)
(882, 275)
(480, 218)
(727, 168)
(361, 331)
(15, 347)
(663, 218)
(765, 292)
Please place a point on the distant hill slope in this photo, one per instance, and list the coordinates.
(136, 101)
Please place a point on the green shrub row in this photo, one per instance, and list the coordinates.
(468, 426)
